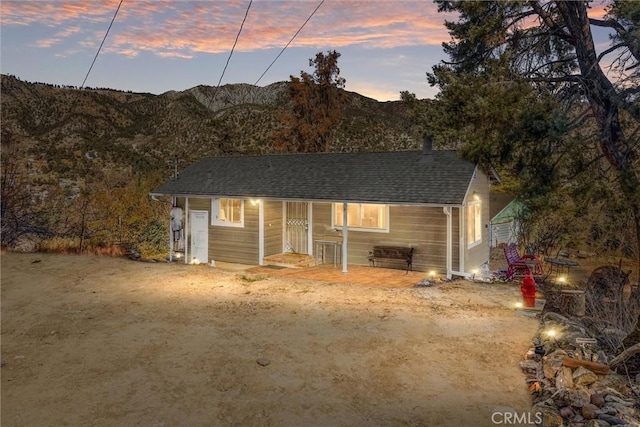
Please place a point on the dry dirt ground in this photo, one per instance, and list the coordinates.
(96, 341)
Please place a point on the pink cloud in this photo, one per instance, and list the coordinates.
(166, 27)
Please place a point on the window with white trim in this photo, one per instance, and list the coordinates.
(474, 223)
(227, 212)
(362, 216)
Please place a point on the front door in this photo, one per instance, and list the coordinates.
(199, 227)
(297, 227)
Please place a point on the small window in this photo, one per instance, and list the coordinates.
(362, 216)
(474, 223)
(227, 212)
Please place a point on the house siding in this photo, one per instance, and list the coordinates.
(455, 238)
(479, 254)
(423, 228)
(229, 244)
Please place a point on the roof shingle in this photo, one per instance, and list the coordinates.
(385, 177)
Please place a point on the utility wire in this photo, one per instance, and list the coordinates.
(290, 41)
(230, 54)
(101, 44)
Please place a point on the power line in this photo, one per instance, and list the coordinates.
(100, 47)
(230, 54)
(290, 41)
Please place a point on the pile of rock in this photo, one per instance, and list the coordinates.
(571, 382)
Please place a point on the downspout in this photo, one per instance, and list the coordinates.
(261, 232)
(310, 228)
(345, 232)
(449, 246)
(173, 202)
(186, 229)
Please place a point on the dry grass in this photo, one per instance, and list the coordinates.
(64, 245)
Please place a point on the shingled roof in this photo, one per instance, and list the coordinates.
(439, 177)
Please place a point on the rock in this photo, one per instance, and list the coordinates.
(550, 416)
(596, 423)
(589, 411)
(564, 378)
(597, 399)
(263, 362)
(614, 381)
(613, 398)
(602, 357)
(611, 420)
(552, 363)
(529, 366)
(567, 412)
(583, 376)
(571, 397)
(575, 397)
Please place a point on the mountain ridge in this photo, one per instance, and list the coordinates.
(58, 125)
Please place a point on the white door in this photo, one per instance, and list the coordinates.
(199, 231)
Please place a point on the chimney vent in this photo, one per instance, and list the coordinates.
(427, 150)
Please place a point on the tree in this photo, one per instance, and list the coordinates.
(317, 103)
(527, 87)
(22, 213)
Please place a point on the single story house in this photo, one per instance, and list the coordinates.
(242, 209)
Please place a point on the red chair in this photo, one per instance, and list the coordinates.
(521, 265)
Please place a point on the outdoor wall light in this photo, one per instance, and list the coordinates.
(254, 202)
(475, 195)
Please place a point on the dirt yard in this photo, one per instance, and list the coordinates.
(95, 341)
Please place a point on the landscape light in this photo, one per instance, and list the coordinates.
(518, 305)
(432, 274)
(551, 333)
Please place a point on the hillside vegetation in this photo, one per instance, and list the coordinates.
(65, 148)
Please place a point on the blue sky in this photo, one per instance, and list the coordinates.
(161, 45)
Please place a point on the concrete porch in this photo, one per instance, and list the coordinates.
(291, 260)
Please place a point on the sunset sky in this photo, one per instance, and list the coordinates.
(161, 45)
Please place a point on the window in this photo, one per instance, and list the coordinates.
(362, 216)
(474, 223)
(227, 212)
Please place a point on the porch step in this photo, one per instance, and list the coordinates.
(290, 260)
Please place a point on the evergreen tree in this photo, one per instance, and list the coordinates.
(526, 87)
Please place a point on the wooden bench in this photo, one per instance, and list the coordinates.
(392, 253)
(521, 265)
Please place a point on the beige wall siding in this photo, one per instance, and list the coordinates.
(272, 227)
(230, 244)
(423, 228)
(233, 244)
(479, 254)
(455, 239)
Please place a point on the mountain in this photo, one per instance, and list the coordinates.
(64, 132)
